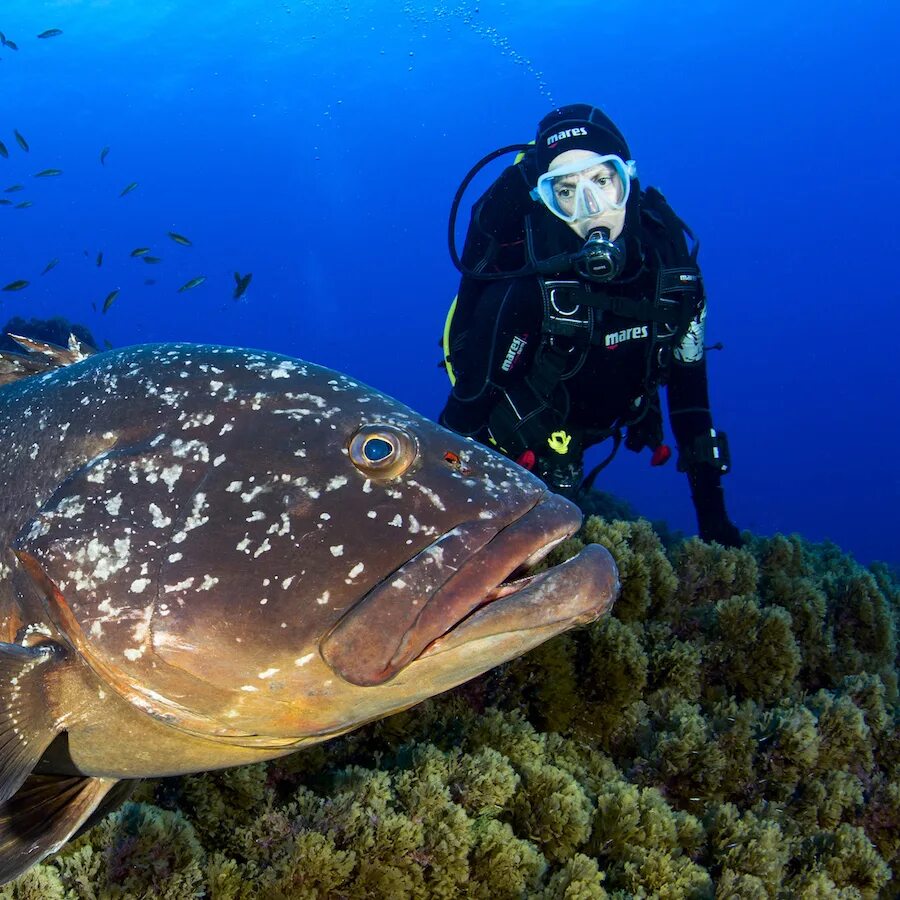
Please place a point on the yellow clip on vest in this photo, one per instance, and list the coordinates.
(559, 441)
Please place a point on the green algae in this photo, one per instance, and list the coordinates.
(732, 731)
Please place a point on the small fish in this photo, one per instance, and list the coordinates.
(2, 39)
(103, 154)
(49, 33)
(20, 140)
(180, 239)
(50, 265)
(11, 44)
(24, 204)
(194, 282)
(152, 260)
(241, 284)
(140, 251)
(149, 281)
(13, 188)
(5, 202)
(16, 285)
(110, 299)
(129, 188)
(99, 259)
(48, 173)
(3, 151)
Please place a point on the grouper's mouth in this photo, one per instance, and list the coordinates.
(473, 582)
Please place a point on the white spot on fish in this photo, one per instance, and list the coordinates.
(208, 582)
(337, 550)
(337, 482)
(114, 504)
(159, 520)
(287, 582)
(219, 459)
(234, 487)
(303, 660)
(171, 474)
(268, 673)
(323, 600)
(139, 584)
(180, 586)
(174, 557)
(263, 548)
(397, 521)
(249, 688)
(356, 570)
(255, 516)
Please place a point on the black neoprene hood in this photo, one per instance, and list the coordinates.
(578, 126)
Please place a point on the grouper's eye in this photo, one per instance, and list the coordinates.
(382, 451)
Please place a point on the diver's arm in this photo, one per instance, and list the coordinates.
(702, 450)
(474, 346)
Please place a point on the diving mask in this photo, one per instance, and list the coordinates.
(586, 188)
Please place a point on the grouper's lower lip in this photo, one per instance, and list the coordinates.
(575, 592)
(432, 594)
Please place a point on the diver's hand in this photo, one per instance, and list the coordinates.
(562, 475)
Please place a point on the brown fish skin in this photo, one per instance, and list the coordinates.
(357, 569)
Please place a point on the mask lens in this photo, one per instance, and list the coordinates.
(586, 188)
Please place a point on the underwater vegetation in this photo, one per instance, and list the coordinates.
(730, 731)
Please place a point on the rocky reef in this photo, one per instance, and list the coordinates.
(732, 731)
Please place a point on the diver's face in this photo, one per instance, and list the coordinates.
(604, 177)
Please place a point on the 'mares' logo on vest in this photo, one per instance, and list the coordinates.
(516, 348)
(613, 339)
(562, 135)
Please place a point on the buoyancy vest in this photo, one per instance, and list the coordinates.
(663, 295)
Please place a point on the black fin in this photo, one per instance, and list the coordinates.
(27, 726)
(42, 816)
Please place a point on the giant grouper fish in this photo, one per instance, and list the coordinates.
(212, 556)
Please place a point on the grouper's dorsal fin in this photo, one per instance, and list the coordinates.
(46, 356)
(45, 813)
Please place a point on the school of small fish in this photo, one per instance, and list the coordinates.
(241, 282)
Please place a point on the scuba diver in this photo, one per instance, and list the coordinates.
(579, 300)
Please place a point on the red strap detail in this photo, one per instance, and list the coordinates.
(527, 460)
(661, 455)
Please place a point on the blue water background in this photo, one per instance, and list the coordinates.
(318, 145)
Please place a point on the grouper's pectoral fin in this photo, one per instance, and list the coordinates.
(27, 725)
(45, 813)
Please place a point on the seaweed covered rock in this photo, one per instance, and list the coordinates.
(732, 731)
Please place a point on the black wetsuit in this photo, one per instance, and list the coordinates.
(604, 376)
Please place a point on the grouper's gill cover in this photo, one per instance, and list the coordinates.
(231, 553)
